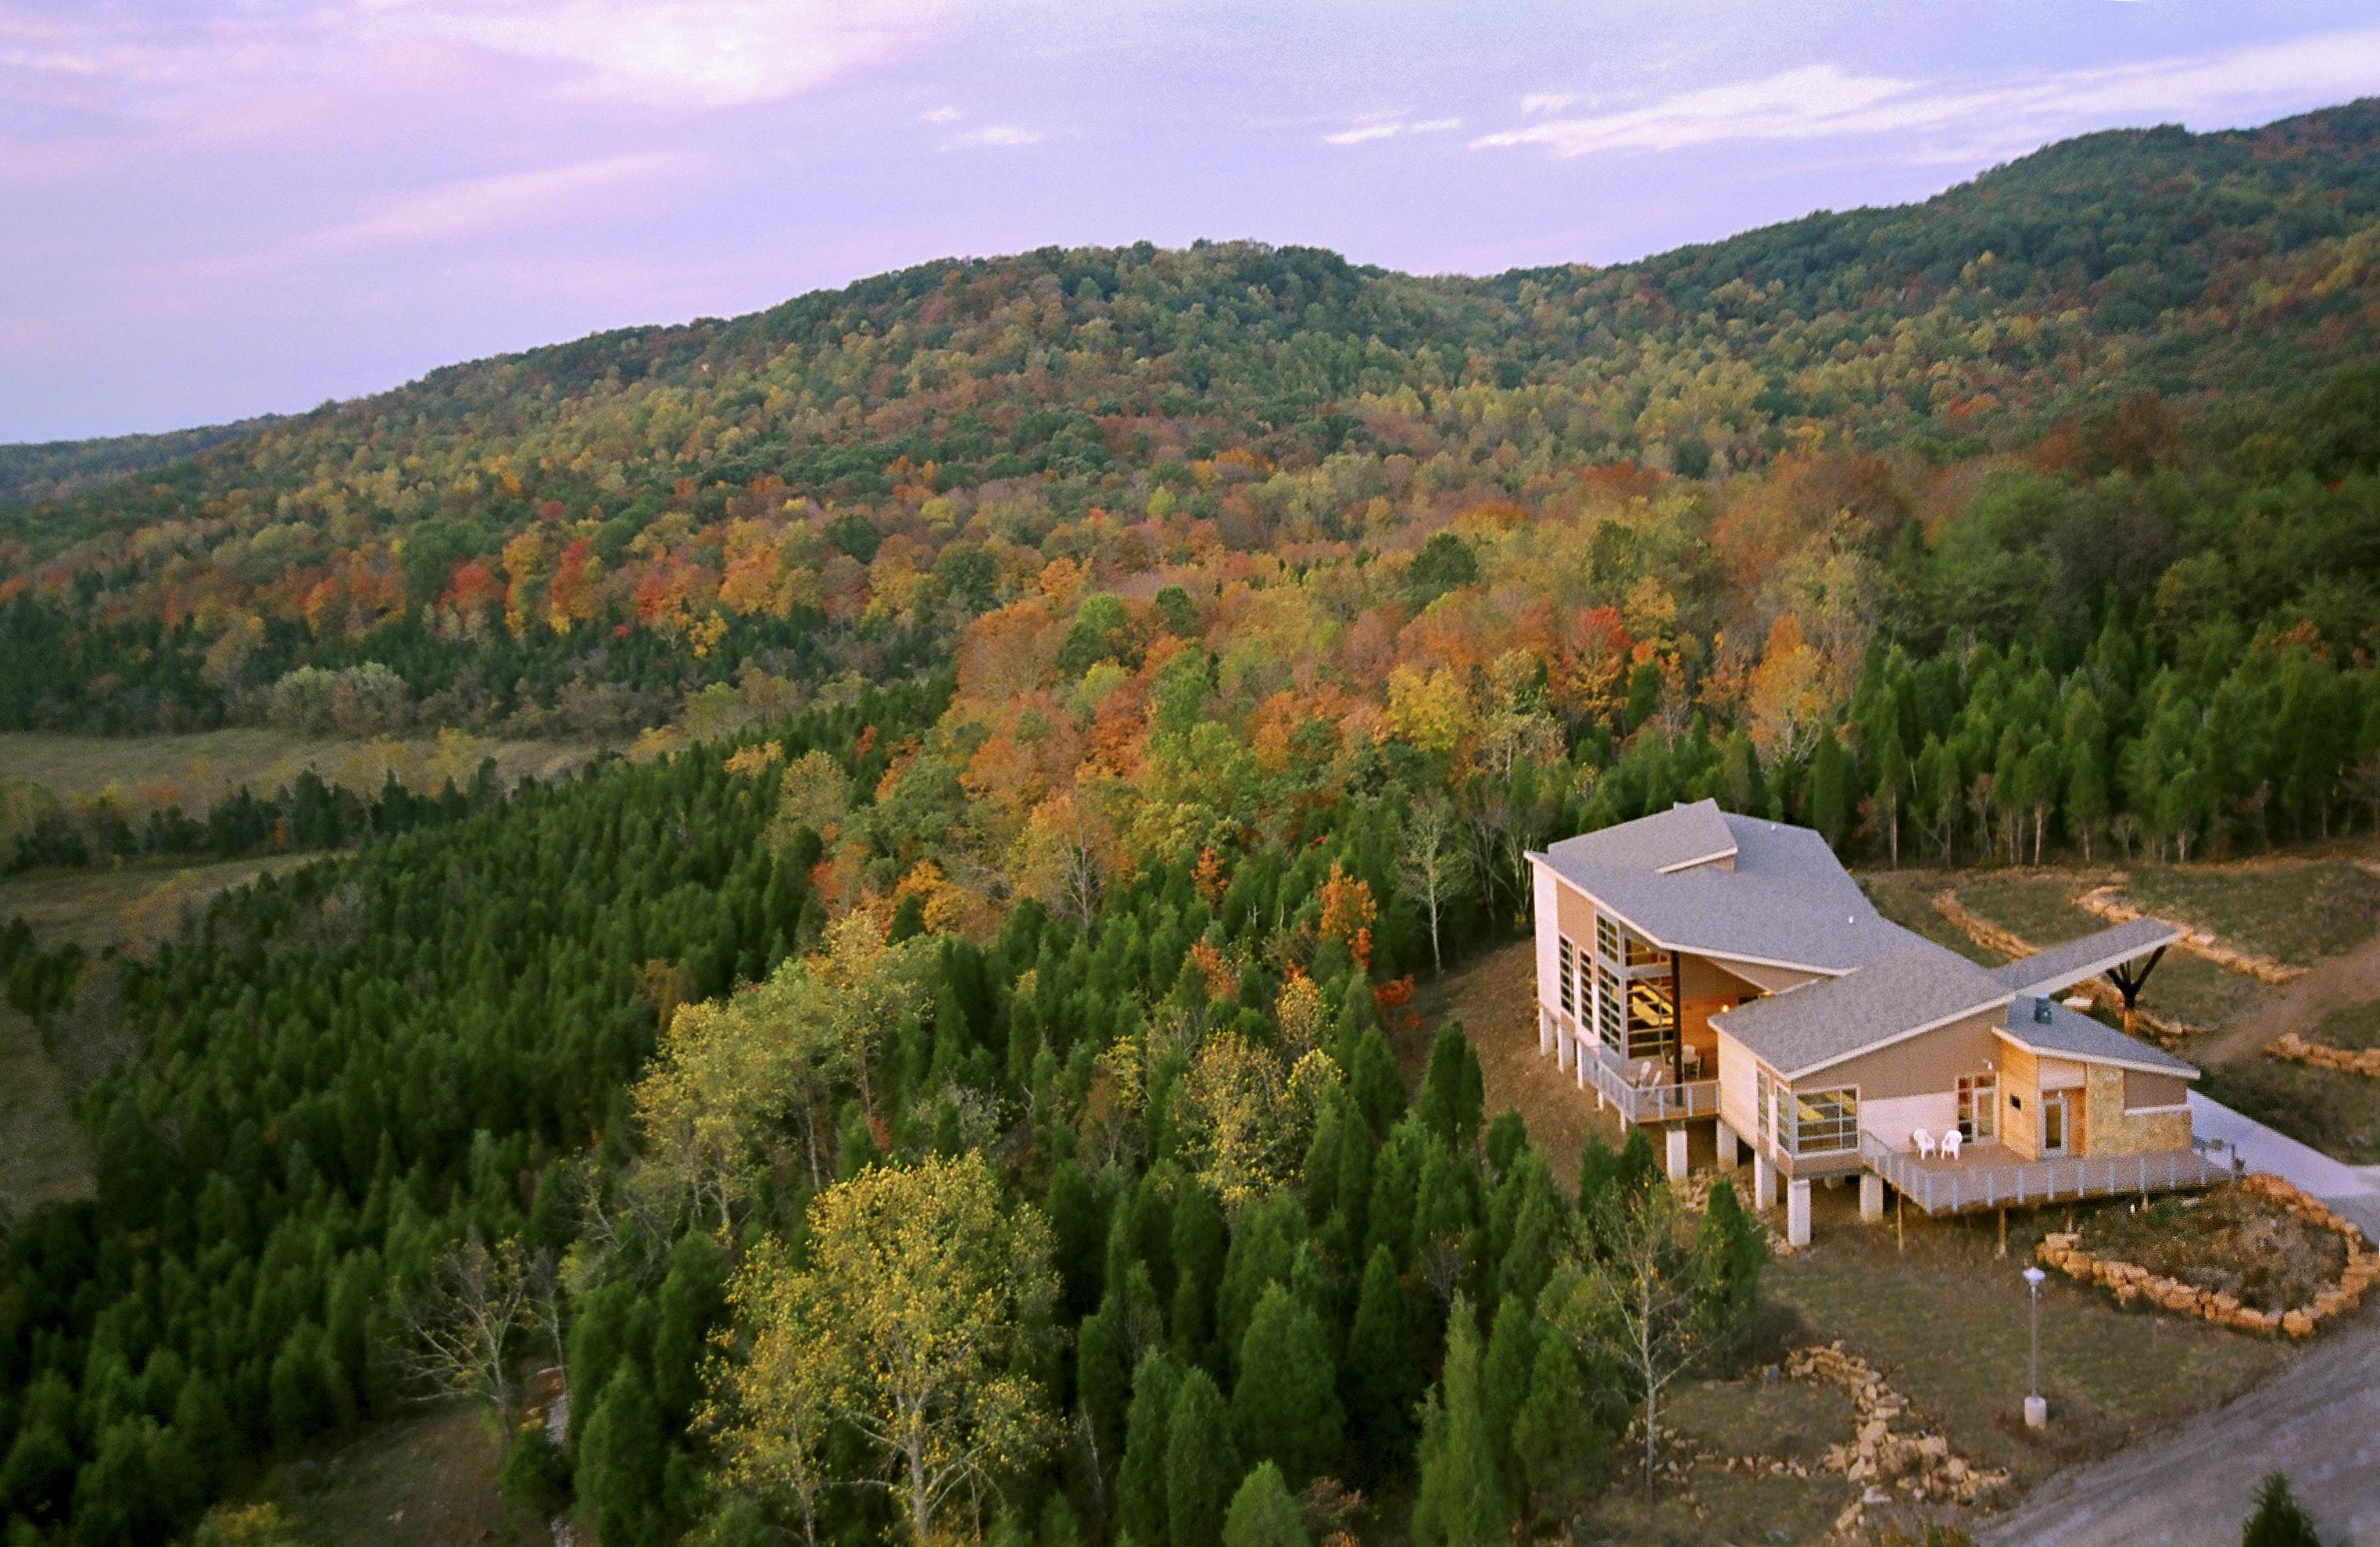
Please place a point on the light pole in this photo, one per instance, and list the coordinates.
(2036, 1407)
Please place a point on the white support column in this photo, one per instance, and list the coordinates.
(1797, 1213)
(1565, 1047)
(1763, 1181)
(1678, 1153)
(1548, 1031)
(1727, 1156)
(1871, 1197)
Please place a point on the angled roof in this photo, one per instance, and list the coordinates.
(2062, 966)
(1912, 987)
(2071, 1034)
(1786, 901)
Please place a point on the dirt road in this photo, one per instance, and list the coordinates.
(2319, 1423)
(2331, 983)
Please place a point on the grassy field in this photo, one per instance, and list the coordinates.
(1907, 898)
(43, 1155)
(2335, 1111)
(194, 770)
(2292, 912)
(131, 908)
(431, 1479)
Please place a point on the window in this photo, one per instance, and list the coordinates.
(1569, 983)
(1979, 1105)
(1606, 938)
(1607, 1008)
(1823, 1122)
(1652, 1019)
(1639, 954)
(1764, 1094)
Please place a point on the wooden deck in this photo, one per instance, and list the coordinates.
(1991, 1176)
(1663, 1101)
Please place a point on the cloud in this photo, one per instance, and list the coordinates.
(941, 115)
(475, 205)
(1946, 122)
(993, 137)
(1387, 126)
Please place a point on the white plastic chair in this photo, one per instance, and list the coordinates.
(1951, 1142)
(1923, 1141)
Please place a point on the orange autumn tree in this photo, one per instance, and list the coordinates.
(1347, 914)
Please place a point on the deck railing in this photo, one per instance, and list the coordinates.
(1956, 1187)
(1661, 1102)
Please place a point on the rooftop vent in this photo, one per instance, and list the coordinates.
(2041, 1012)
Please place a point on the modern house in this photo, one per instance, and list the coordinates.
(1696, 967)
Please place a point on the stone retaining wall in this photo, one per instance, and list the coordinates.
(2109, 903)
(2292, 1048)
(2131, 1282)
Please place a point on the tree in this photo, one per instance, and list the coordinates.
(1560, 1447)
(1459, 1503)
(1201, 1463)
(1454, 1093)
(1380, 1376)
(1728, 1252)
(1434, 864)
(621, 1458)
(462, 1327)
(1504, 1374)
(2279, 1519)
(1263, 1513)
(1283, 1410)
(1140, 1479)
(904, 1325)
(1634, 1297)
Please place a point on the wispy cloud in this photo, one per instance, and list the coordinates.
(1003, 137)
(1943, 121)
(1388, 126)
(476, 205)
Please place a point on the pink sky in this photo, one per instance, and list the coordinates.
(223, 207)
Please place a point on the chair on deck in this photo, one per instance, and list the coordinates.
(1922, 1141)
(1950, 1141)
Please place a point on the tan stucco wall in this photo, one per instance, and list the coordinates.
(2154, 1089)
(2116, 1132)
(1929, 1062)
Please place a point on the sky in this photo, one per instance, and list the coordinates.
(216, 208)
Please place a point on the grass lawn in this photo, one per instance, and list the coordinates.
(2357, 1026)
(2296, 913)
(421, 1480)
(42, 1155)
(133, 907)
(1907, 898)
(1946, 1321)
(195, 768)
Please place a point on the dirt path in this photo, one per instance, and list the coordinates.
(2331, 983)
(2319, 1421)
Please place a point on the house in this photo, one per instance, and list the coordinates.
(1700, 969)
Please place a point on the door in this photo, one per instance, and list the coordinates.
(2053, 1123)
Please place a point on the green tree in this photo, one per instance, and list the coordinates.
(1730, 1250)
(2279, 1520)
(1561, 1449)
(1140, 1479)
(1460, 1502)
(621, 1458)
(1504, 1375)
(1202, 1464)
(1284, 1407)
(1454, 1094)
(1381, 1377)
(1263, 1513)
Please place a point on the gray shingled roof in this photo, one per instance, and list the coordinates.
(1787, 899)
(2060, 965)
(1916, 984)
(2071, 1034)
(1676, 836)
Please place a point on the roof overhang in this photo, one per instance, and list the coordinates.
(1882, 1042)
(2068, 976)
(2187, 1071)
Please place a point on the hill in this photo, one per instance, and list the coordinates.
(58, 470)
(648, 510)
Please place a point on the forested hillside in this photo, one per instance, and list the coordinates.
(1187, 647)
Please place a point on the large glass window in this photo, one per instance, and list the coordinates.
(1764, 1095)
(1608, 1012)
(1569, 980)
(1979, 1105)
(1607, 937)
(1823, 1122)
(1652, 1018)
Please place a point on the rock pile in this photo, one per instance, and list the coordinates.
(2130, 1282)
(2295, 1049)
(1897, 1465)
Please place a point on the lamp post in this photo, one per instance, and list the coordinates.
(2036, 1407)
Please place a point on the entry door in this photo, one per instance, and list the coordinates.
(2053, 1122)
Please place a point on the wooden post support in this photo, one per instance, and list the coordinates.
(2003, 1250)
(1677, 1021)
(1900, 1235)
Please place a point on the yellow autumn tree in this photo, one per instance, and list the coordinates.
(1247, 1114)
(903, 1326)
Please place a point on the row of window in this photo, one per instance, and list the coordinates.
(1640, 1021)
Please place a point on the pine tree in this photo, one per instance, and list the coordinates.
(1140, 1479)
(1263, 1513)
(1504, 1375)
(1729, 1251)
(1459, 1503)
(1453, 1094)
(620, 1462)
(1380, 1378)
(1378, 1090)
(1202, 1464)
(1831, 789)
(1200, 1241)
(1637, 1171)
(1102, 1381)
(1563, 1453)
(1284, 1407)
(2279, 1520)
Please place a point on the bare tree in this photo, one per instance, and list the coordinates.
(1630, 1295)
(1433, 864)
(463, 1326)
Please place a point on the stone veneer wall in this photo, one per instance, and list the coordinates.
(2111, 1130)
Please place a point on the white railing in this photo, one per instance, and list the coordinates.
(1950, 1188)
(1661, 1102)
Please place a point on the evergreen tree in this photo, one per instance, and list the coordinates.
(2279, 1519)
(1460, 1503)
(1202, 1464)
(1263, 1513)
(1284, 1407)
(1200, 1241)
(620, 1463)
(1140, 1479)
(1504, 1375)
(1563, 1453)
(1378, 1090)
(1453, 1092)
(1380, 1378)
(1103, 1379)
(1729, 1251)
(1831, 789)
